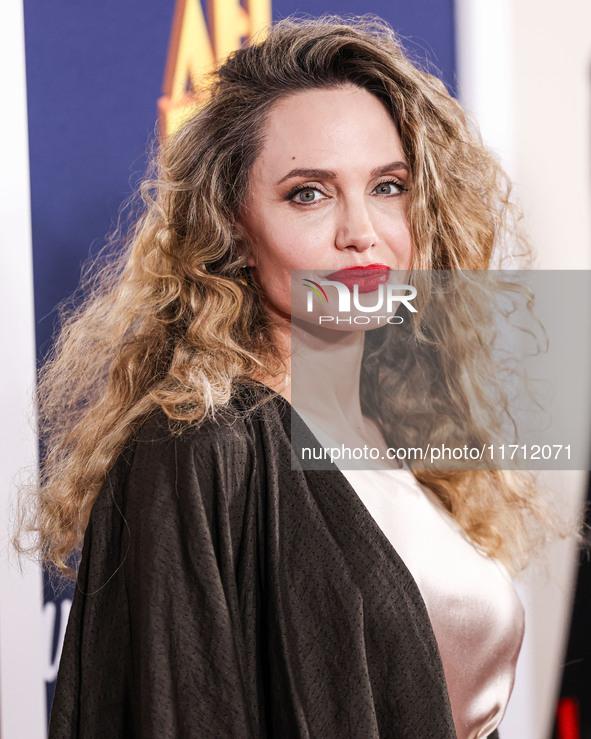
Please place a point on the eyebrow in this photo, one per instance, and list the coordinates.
(328, 174)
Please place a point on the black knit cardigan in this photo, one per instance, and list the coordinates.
(222, 593)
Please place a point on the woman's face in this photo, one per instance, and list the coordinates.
(326, 192)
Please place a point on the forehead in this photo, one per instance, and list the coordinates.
(332, 128)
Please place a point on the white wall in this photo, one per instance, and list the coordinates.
(22, 690)
(524, 72)
(552, 118)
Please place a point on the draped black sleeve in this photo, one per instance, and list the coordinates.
(222, 593)
(153, 646)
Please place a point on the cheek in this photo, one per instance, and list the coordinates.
(275, 258)
(284, 248)
(400, 244)
(306, 239)
(279, 255)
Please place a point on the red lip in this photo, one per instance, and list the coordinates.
(367, 277)
(364, 270)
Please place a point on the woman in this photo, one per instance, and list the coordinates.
(222, 590)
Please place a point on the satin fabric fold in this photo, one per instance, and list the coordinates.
(476, 614)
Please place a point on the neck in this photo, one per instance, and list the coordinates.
(324, 374)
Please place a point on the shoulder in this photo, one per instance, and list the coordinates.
(231, 433)
(165, 462)
(249, 406)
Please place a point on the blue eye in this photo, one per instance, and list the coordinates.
(390, 187)
(304, 194)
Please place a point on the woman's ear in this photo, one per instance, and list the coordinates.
(244, 253)
(243, 245)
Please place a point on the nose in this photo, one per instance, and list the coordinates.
(355, 228)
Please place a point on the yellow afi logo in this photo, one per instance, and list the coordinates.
(194, 48)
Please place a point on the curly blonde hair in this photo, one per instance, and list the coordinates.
(172, 319)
